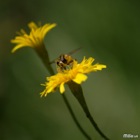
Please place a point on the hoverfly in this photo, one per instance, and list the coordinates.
(65, 61)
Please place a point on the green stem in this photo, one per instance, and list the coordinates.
(43, 54)
(78, 93)
(74, 118)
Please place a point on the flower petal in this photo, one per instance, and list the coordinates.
(99, 67)
(17, 47)
(80, 78)
(32, 25)
(62, 88)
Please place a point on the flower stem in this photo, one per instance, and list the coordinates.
(43, 54)
(74, 118)
(76, 89)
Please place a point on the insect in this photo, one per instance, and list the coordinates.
(65, 61)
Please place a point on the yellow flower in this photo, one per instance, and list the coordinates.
(76, 74)
(34, 38)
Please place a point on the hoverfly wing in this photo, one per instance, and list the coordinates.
(73, 51)
(70, 53)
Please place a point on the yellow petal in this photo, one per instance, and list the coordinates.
(62, 88)
(99, 67)
(80, 78)
(17, 47)
(32, 25)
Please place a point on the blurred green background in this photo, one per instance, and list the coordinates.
(109, 31)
